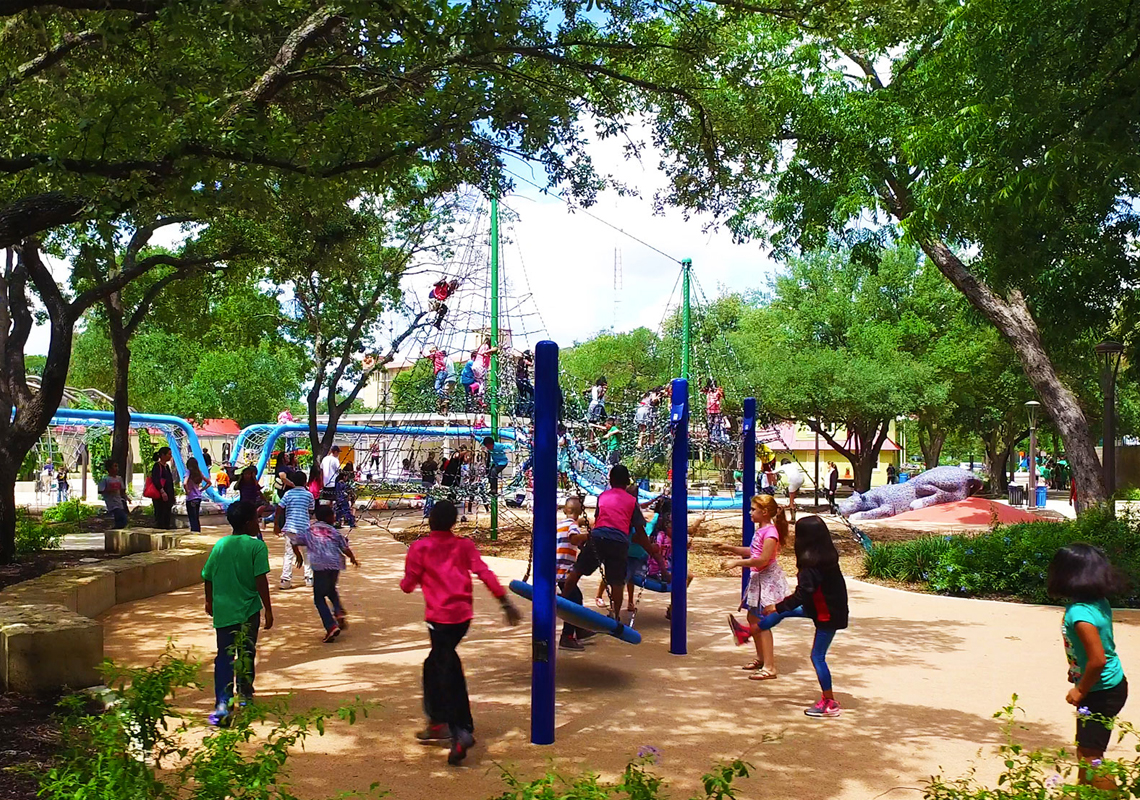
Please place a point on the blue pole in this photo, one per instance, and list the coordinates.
(545, 534)
(679, 418)
(748, 467)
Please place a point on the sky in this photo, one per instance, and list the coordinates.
(567, 258)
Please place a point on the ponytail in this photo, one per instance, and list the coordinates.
(781, 523)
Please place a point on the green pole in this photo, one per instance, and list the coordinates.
(493, 378)
(686, 322)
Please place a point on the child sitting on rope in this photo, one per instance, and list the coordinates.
(597, 410)
(437, 298)
(472, 389)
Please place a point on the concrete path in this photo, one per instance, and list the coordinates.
(919, 678)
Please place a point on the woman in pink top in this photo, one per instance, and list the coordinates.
(767, 584)
(441, 564)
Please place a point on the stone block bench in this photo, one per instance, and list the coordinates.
(140, 540)
(49, 637)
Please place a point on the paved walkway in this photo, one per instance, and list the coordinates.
(919, 678)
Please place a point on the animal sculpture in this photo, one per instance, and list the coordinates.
(938, 485)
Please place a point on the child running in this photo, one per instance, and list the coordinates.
(821, 595)
(767, 583)
(298, 503)
(570, 538)
(441, 563)
(236, 590)
(1082, 574)
(325, 549)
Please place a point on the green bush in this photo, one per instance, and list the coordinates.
(70, 511)
(636, 783)
(1041, 774)
(34, 535)
(117, 754)
(1010, 560)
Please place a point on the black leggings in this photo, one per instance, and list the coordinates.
(163, 514)
(445, 687)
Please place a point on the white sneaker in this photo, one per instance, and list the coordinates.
(308, 582)
(285, 585)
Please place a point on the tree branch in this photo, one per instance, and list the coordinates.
(94, 295)
(296, 44)
(143, 308)
(11, 7)
(144, 233)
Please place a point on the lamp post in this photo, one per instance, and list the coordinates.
(1108, 353)
(1031, 409)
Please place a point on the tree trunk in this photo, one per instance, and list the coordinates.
(8, 468)
(997, 456)
(930, 441)
(121, 437)
(865, 455)
(1012, 317)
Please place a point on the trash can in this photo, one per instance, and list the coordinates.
(903, 477)
(1016, 495)
(1041, 495)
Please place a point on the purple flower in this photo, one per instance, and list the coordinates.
(649, 752)
(1096, 762)
(1084, 711)
(1053, 781)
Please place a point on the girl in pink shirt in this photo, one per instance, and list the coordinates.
(767, 585)
(441, 564)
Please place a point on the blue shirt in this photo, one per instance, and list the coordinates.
(298, 503)
(326, 546)
(499, 454)
(467, 377)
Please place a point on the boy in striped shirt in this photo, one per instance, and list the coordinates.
(570, 538)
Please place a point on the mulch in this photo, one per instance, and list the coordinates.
(34, 565)
(29, 737)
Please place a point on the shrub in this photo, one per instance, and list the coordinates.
(70, 511)
(118, 754)
(636, 783)
(1041, 773)
(1011, 560)
(34, 535)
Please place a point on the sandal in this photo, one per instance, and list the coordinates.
(754, 665)
(763, 675)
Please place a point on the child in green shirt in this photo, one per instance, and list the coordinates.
(236, 591)
(1082, 574)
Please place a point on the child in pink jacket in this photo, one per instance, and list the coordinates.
(441, 564)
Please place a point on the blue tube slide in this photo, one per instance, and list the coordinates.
(164, 422)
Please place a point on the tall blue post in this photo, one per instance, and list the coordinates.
(748, 467)
(543, 644)
(679, 418)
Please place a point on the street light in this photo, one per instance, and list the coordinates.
(1108, 353)
(1031, 409)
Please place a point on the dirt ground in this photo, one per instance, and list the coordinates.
(33, 565)
(30, 737)
(919, 677)
(705, 530)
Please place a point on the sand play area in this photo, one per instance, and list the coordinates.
(919, 678)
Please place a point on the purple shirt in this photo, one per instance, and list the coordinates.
(326, 546)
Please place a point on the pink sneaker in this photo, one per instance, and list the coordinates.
(824, 708)
(739, 632)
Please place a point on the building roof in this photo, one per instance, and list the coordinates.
(217, 427)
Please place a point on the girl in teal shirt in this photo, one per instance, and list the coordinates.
(1083, 575)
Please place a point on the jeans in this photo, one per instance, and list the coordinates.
(119, 516)
(493, 476)
(819, 646)
(224, 662)
(163, 514)
(525, 405)
(193, 509)
(445, 687)
(441, 383)
(288, 562)
(324, 593)
(61, 494)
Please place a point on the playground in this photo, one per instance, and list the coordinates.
(919, 677)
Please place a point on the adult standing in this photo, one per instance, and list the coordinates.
(330, 468)
(428, 471)
(163, 480)
(795, 479)
(111, 488)
(832, 486)
(892, 474)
